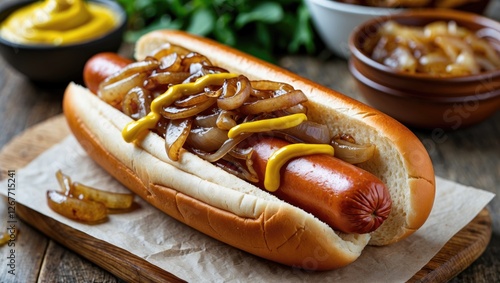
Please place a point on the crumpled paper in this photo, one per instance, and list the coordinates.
(193, 256)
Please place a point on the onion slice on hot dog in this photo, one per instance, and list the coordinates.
(234, 211)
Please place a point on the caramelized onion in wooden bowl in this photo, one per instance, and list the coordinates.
(391, 59)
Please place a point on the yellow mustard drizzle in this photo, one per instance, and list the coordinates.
(58, 22)
(133, 129)
(286, 153)
(278, 123)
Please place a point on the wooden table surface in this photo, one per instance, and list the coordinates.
(468, 156)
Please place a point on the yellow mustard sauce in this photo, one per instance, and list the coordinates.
(133, 130)
(279, 123)
(58, 22)
(283, 155)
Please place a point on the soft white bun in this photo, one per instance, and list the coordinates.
(235, 212)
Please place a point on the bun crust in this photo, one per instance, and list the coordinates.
(236, 212)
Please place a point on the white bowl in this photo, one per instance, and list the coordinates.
(334, 21)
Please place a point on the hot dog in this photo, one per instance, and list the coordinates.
(237, 213)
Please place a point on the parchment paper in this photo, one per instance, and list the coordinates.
(194, 257)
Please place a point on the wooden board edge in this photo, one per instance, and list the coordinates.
(119, 262)
(455, 257)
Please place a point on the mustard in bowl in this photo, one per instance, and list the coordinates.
(49, 41)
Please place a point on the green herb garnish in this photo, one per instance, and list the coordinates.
(265, 29)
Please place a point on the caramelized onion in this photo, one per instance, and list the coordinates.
(190, 60)
(85, 193)
(351, 152)
(227, 146)
(114, 93)
(192, 100)
(485, 64)
(280, 102)
(144, 66)
(76, 209)
(109, 199)
(165, 78)
(241, 152)
(299, 108)
(198, 70)
(440, 48)
(261, 94)
(64, 181)
(5, 237)
(207, 139)
(310, 132)
(272, 86)
(486, 49)
(170, 63)
(245, 154)
(176, 135)
(206, 121)
(136, 103)
(213, 70)
(235, 167)
(161, 127)
(234, 93)
(226, 119)
(173, 112)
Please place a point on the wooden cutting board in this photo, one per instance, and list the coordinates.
(463, 249)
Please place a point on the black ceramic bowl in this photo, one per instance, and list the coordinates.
(422, 100)
(58, 64)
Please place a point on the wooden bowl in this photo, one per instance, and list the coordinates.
(422, 100)
(334, 20)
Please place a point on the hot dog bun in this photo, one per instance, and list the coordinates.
(236, 212)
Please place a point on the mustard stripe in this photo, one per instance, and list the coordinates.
(283, 155)
(264, 125)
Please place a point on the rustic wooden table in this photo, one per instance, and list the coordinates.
(468, 156)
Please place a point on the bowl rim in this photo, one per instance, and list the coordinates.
(458, 16)
(355, 9)
(115, 6)
(485, 96)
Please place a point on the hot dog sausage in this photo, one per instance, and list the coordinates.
(344, 196)
(101, 66)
